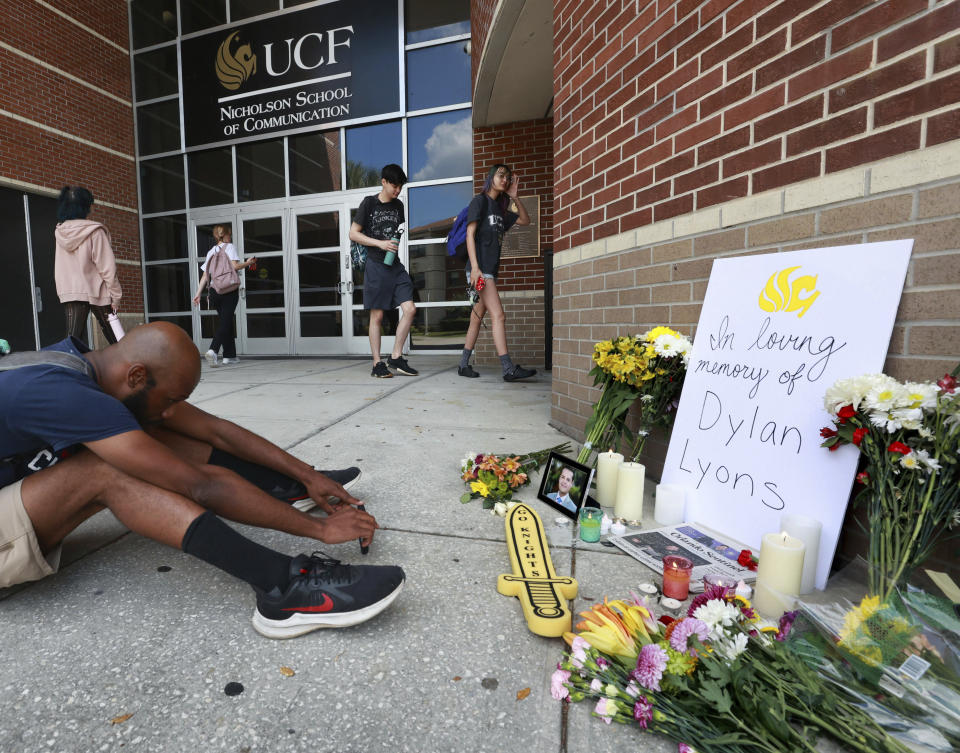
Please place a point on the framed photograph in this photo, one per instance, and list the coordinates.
(565, 484)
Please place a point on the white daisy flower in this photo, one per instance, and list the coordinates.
(667, 345)
(885, 396)
(731, 649)
(932, 464)
(922, 395)
(886, 421)
(911, 461)
(908, 418)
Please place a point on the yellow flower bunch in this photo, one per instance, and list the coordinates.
(625, 359)
(874, 632)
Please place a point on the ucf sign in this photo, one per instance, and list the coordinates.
(311, 69)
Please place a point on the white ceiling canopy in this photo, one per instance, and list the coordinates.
(515, 76)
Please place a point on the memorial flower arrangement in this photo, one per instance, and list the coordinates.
(908, 435)
(650, 367)
(894, 658)
(714, 680)
(495, 478)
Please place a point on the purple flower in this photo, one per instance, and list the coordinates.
(710, 593)
(642, 711)
(684, 629)
(557, 687)
(650, 665)
(595, 685)
(602, 663)
(684, 748)
(632, 689)
(786, 625)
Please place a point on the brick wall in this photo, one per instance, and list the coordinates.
(664, 108)
(66, 115)
(525, 334)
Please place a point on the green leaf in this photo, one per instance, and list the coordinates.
(466, 497)
(488, 503)
(712, 692)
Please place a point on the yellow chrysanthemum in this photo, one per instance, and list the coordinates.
(858, 615)
(657, 331)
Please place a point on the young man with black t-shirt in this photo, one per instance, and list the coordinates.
(386, 283)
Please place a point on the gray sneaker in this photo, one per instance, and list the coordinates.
(517, 373)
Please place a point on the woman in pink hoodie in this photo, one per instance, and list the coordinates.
(84, 266)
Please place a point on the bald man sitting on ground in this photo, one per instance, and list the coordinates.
(85, 430)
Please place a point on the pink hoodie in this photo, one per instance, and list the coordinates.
(84, 266)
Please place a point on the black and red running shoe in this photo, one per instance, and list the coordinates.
(324, 593)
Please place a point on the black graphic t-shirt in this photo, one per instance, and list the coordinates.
(46, 410)
(492, 223)
(379, 220)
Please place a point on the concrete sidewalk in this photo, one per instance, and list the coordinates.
(130, 627)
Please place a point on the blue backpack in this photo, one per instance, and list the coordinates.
(457, 238)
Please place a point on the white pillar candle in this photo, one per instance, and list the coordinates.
(608, 465)
(778, 573)
(628, 503)
(808, 531)
(670, 506)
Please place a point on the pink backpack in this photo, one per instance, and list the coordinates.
(223, 277)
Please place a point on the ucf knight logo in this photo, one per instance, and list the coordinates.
(236, 66)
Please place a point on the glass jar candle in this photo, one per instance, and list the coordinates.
(676, 576)
(590, 519)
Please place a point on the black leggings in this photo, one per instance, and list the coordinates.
(77, 311)
(226, 305)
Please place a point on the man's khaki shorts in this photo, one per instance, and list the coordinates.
(20, 557)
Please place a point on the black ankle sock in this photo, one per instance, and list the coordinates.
(273, 482)
(210, 539)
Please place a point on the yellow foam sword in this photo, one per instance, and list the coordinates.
(543, 596)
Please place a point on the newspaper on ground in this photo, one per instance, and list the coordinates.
(707, 550)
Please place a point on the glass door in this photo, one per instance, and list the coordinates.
(264, 303)
(322, 285)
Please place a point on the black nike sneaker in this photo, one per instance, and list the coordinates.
(323, 593)
(401, 366)
(346, 477)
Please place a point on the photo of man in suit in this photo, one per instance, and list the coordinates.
(562, 494)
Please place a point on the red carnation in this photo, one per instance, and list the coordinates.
(834, 447)
(846, 413)
(948, 384)
(746, 559)
(826, 432)
(898, 447)
(863, 478)
(859, 434)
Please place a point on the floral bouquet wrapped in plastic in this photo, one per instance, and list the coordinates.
(716, 680)
(898, 659)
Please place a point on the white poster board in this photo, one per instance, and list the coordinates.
(776, 331)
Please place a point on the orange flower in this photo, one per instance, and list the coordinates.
(511, 464)
(517, 479)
